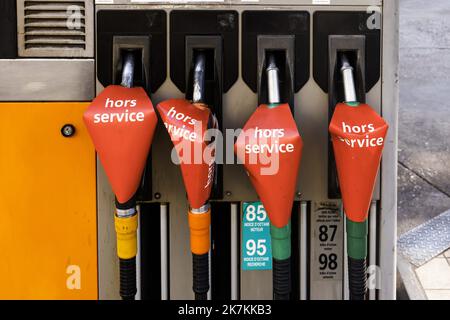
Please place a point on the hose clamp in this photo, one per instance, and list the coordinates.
(125, 213)
(203, 209)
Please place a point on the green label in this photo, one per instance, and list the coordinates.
(256, 245)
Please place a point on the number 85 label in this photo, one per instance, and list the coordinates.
(255, 213)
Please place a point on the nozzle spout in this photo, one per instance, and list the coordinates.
(273, 85)
(348, 79)
(128, 70)
(198, 95)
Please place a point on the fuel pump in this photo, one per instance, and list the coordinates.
(270, 148)
(187, 123)
(121, 122)
(358, 135)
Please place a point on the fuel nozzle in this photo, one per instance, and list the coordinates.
(200, 218)
(358, 135)
(198, 178)
(113, 140)
(126, 219)
(281, 237)
(272, 126)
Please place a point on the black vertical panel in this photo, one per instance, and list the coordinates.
(328, 23)
(295, 252)
(150, 23)
(223, 23)
(150, 251)
(8, 29)
(221, 251)
(308, 248)
(274, 22)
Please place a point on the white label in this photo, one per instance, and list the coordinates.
(321, 2)
(328, 239)
(326, 250)
(104, 1)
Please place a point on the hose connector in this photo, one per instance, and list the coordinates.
(126, 231)
(281, 241)
(199, 224)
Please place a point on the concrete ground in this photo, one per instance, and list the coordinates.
(436, 288)
(424, 119)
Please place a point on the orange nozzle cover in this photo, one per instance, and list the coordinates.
(186, 124)
(270, 147)
(358, 135)
(121, 122)
(199, 224)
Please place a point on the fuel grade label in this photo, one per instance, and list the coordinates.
(256, 243)
(327, 233)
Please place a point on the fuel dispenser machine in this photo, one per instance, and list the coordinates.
(221, 163)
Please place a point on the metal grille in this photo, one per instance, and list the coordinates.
(55, 28)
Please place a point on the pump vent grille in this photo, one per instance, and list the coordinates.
(55, 28)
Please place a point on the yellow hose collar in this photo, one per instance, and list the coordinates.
(126, 230)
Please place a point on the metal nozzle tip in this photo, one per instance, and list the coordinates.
(271, 64)
(198, 94)
(128, 70)
(345, 63)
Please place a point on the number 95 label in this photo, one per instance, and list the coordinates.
(256, 245)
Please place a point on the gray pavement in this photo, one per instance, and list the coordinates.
(424, 119)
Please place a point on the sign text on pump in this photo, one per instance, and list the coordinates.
(361, 142)
(126, 113)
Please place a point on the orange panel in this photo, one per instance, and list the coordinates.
(48, 234)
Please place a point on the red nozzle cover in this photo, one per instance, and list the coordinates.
(121, 122)
(358, 135)
(270, 138)
(186, 124)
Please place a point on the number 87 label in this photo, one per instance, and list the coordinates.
(256, 244)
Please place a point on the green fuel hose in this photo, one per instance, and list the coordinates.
(357, 254)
